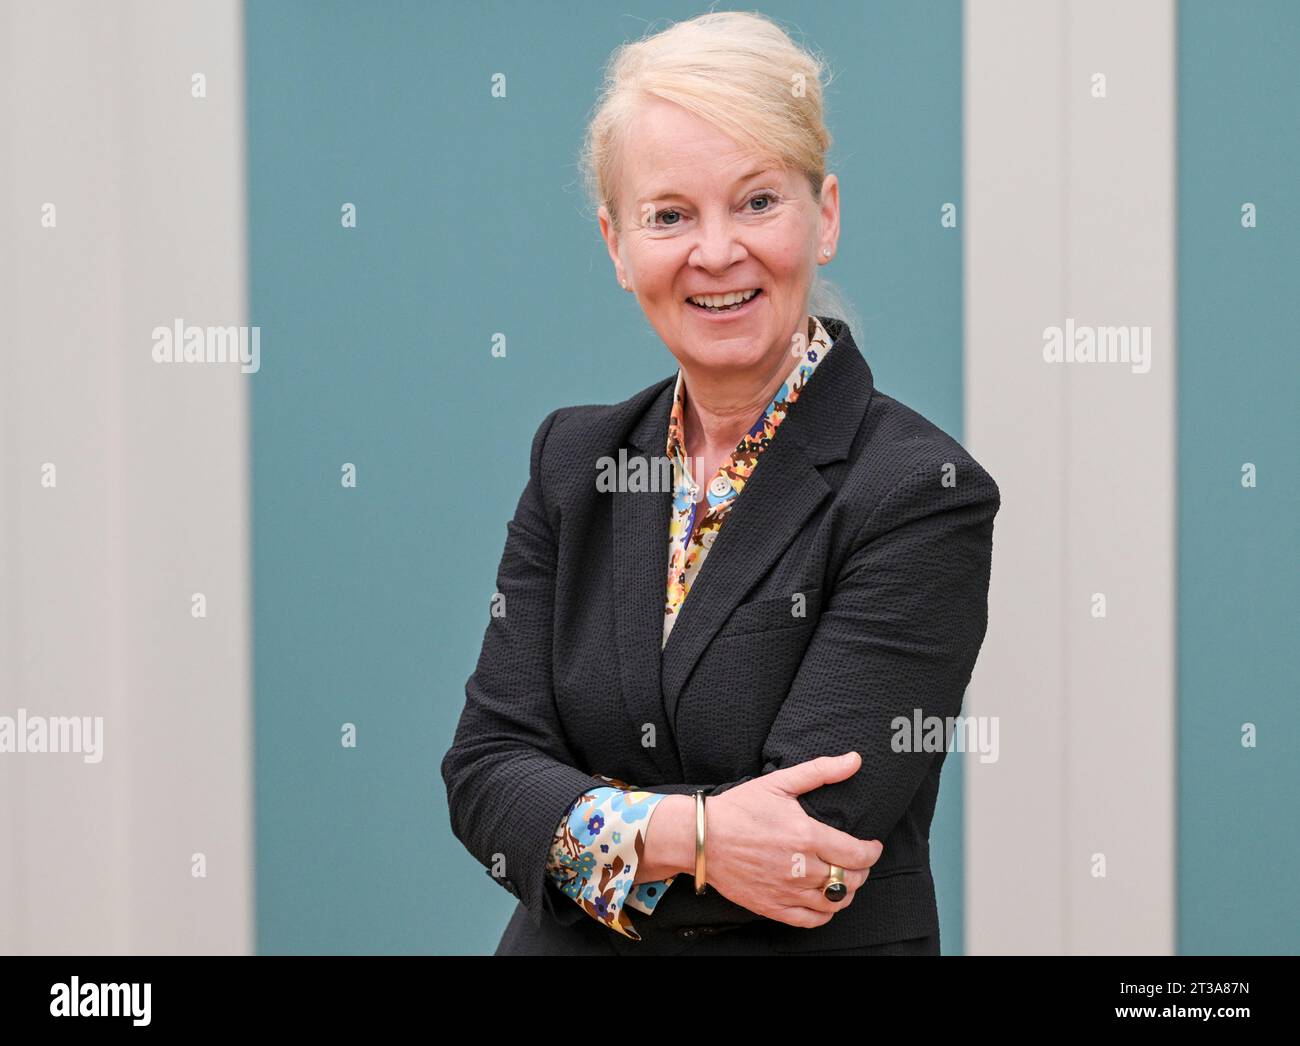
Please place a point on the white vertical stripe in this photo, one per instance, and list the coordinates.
(96, 117)
(1070, 214)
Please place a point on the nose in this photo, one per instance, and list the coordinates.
(717, 247)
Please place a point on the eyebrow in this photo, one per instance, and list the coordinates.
(669, 194)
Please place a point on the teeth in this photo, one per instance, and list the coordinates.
(721, 301)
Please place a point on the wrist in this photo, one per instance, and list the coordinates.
(670, 839)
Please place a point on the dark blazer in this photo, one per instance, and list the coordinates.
(848, 506)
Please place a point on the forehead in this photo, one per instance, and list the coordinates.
(669, 150)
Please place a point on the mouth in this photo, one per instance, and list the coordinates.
(725, 304)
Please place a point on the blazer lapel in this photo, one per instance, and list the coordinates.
(778, 498)
(784, 491)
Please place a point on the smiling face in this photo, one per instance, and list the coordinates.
(704, 224)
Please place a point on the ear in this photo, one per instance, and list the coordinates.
(610, 235)
(830, 218)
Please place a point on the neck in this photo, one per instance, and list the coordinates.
(722, 406)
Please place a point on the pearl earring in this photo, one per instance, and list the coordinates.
(826, 251)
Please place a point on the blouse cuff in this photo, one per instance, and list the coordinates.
(596, 850)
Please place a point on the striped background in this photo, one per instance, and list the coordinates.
(1120, 737)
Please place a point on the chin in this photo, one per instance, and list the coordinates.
(739, 351)
(731, 354)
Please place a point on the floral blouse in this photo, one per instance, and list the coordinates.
(599, 842)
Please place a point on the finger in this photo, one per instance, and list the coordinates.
(806, 918)
(836, 847)
(813, 773)
(813, 889)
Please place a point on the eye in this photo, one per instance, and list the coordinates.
(661, 219)
(766, 199)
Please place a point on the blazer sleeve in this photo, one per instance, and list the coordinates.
(509, 774)
(900, 633)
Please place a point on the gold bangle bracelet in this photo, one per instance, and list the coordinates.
(699, 842)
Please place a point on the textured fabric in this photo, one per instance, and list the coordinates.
(599, 842)
(695, 525)
(874, 518)
(586, 939)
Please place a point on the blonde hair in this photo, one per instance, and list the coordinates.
(737, 70)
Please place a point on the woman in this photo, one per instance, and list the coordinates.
(683, 731)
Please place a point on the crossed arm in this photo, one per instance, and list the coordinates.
(900, 632)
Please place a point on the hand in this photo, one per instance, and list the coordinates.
(757, 831)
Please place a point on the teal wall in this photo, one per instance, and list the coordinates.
(370, 604)
(1238, 380)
